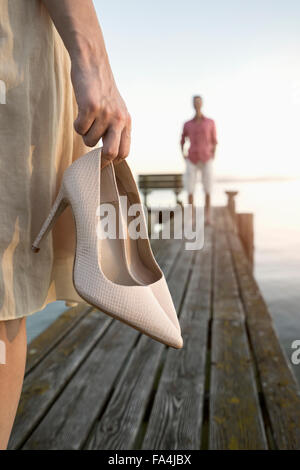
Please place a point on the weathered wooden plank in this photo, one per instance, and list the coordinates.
(235, 418)
(118, 426)
(131, 397)
(67, 391)
(165, 248)
(40, 348)
(226, 293)
(48, 339)
(280, 388)
(160, 181)
(69, 421)
(235, 415)
(176, 416)
(167, 254)
(49, 377)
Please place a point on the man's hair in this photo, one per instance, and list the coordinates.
(197, 96)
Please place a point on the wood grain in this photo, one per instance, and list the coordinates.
(177, 413)
(280, 388)
(235, 417)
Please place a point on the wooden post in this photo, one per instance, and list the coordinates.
(245, 226)
(231, 202)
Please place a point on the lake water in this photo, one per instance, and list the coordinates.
(275, 205)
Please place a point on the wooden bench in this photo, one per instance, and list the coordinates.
(151, 182)
(94, 383)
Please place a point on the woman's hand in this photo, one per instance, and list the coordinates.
(101, 109)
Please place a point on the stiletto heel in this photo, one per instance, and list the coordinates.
(57, 209)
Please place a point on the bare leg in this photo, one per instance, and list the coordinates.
(191, 202)
(207, 209)
(13, 337)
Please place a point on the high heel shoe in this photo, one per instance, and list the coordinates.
(100, 272)
(141, 262)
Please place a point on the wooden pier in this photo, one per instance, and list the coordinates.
(95, 383)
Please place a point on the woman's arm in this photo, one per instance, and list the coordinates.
(101, 109)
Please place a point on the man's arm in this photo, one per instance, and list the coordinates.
(101, 109)
(182, 140)
(214, 139)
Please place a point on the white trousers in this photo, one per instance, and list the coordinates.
(192, 175)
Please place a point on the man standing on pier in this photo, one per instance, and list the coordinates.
(201, 132)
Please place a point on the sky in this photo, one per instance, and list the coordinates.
(242, 56)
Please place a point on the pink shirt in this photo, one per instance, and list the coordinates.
(202, 135)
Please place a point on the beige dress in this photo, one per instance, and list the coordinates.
(37, 143)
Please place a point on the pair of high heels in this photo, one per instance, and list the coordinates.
(117, 274)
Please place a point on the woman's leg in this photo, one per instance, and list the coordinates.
(13, 352)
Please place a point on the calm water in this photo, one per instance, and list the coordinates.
(277, 252)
